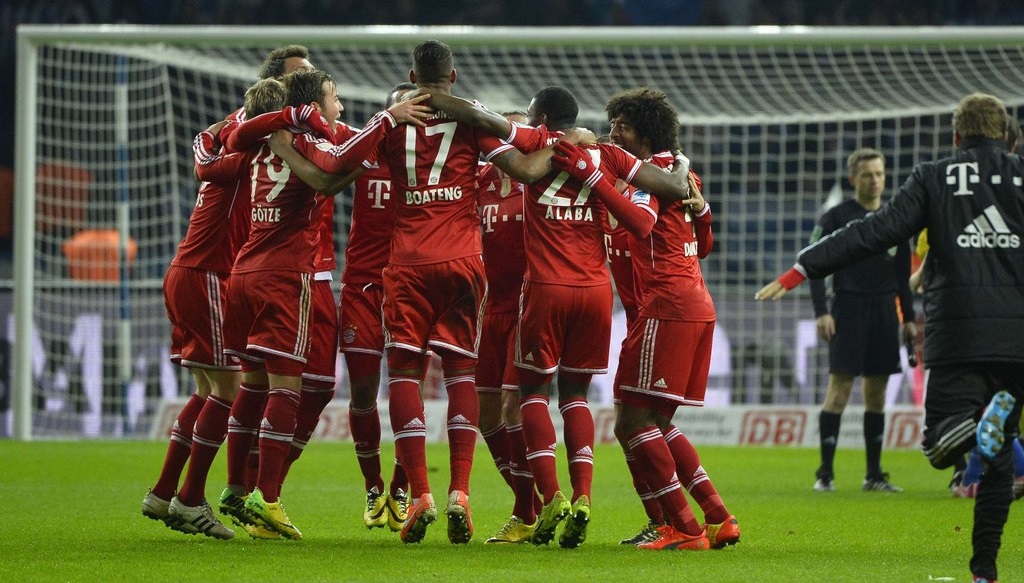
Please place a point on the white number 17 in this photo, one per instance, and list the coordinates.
(448, 134)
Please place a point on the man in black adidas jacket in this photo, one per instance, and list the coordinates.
(973, 206)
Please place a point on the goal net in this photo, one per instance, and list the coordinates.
(106, 117)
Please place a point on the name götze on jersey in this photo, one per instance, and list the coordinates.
(266, 215)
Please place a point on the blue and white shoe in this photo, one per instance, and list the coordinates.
(992, 426)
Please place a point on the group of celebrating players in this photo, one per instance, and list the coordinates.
(481, 238)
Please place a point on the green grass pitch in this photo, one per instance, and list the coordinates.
(71, 512)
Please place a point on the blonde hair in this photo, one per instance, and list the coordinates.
(263, 96)
(980, 115)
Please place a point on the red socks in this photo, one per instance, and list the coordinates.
(407, 423)
(243, 428)
(211, 428)
(365, 427)
(579, 443)
(463, 417)
(179, 448)
(655, 460)
(539, 434)
(693, 477)
(276, 431)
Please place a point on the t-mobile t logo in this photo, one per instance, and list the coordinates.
(962, 174)
(378, 191)
(488, 215)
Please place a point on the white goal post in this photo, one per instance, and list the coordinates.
(106, 114)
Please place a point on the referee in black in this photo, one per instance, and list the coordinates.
(863, 327)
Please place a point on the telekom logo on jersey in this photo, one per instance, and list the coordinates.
(963, 174)
(378, 192)
(490, 216)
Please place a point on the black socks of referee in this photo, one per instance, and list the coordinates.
(828, 428)
(874, 428)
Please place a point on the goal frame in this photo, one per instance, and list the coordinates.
(31, 37)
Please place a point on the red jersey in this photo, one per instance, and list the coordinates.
(500, 203)
(670, 284)
(325, 261)
(564, 224)
(222, 200)
(433, 174)
(285, 211)
(620, 263)
(371, 229)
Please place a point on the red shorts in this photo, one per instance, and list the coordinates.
(666, 359)
(494, 369)
(359, 318)
(565, 327)
(268, 313)
(195, 301)
(439, 305)
(322, 359)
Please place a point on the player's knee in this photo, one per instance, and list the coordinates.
(282, 366)
(948, 441)
(573, 384)
(363, 392)
(360, 365)
(405, 362)
(510, 412)
(319, 386)
(623, 429)
(533, 383)
(490, 411)
(453, 363)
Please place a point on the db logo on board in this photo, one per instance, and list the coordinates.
(905, 430)
(773, 427)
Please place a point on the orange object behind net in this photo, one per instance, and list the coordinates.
(94, 255)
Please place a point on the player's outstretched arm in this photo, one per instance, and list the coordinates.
(668, 186)
(298, 119)
(280, 143)
(785, 282)
(579, 137)
(523, 168)
(466, 111)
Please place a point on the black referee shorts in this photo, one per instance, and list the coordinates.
(867, 339)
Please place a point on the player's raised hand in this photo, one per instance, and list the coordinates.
(696, 200)
(412, 110)
(577, 162)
